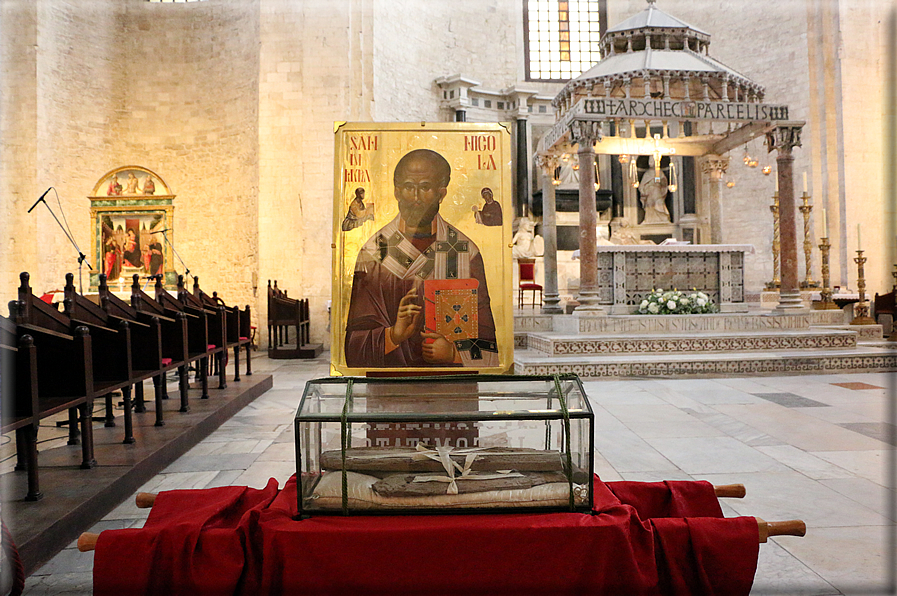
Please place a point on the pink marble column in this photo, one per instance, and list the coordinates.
(784, 138)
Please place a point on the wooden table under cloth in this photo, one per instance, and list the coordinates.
(642, 538)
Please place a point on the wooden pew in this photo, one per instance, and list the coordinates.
(244, 335)
(219, 327)
(174, 335)
(238, 327)
(18, 394)
(113, 347)
(216, 329)
(197, 333)
(147, 354)
(54, 373)
(283, 313)
(886, 304)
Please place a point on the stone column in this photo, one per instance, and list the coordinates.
(521, 188)
(584, 134)
(784, 138)
(714, 166)
(551, 301)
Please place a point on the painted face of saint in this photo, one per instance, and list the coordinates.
(487, 194)
(419, 192)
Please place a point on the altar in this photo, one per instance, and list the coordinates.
(627, 274)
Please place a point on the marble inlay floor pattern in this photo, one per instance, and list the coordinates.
(814, 447)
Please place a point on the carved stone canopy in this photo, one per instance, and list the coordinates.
(656, 76)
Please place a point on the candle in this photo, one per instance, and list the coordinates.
(777, 183)
(859, 241)
(824, 223)
(805, 181)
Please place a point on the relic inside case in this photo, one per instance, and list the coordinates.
(441, 444)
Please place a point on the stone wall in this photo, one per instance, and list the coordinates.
(134, 83)
(58, 64)
(18, 126)
(315, 70)
(188, 76)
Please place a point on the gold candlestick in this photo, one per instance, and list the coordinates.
(806, 208)
(826, 293)
(861, 308)
(776, 281)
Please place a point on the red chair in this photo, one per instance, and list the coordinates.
(526, 269)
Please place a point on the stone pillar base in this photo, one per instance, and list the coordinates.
(789, 302)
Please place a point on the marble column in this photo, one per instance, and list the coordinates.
(584, 134)
(551, 300)
(714, 167)
(784, 138)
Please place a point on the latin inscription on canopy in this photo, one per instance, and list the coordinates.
(686, 110)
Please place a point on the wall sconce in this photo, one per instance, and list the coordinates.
(623, 159)
(767, 170)
(576, 166)
(565, 157)
(730, 183)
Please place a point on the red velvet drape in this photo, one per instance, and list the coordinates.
(642, 538)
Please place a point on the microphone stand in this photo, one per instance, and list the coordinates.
(82, 258)
(168, 242)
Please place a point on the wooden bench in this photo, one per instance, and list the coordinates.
(216, 330)
(241, 330)
(147, 352)
(237, 327)
(885, 305)
(19, 397)
(198, 349)
(54, 373)
(115, 341)
(283, 313)
(175, 337)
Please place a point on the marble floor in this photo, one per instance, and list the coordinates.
(814, 447)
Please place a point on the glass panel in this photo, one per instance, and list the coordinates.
(562, 29)
(506, 433)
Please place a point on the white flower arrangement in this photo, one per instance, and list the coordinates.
(674, 302)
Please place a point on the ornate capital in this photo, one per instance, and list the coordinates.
(585, 131)
(548, 162)
(714, 166)
(784, 137)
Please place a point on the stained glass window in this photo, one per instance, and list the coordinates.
(561, 37)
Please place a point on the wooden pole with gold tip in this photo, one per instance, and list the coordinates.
(791, 527)
(733, 491)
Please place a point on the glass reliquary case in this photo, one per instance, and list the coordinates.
(444, 444)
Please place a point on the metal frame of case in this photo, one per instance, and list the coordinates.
(555, 410)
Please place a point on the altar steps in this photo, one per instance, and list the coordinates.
(866, 357)
(559, 344)
(673, 346)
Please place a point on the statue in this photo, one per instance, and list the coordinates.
(623, 235)
(526, 244)
(653, 197)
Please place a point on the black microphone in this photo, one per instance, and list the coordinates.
(40, 199)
